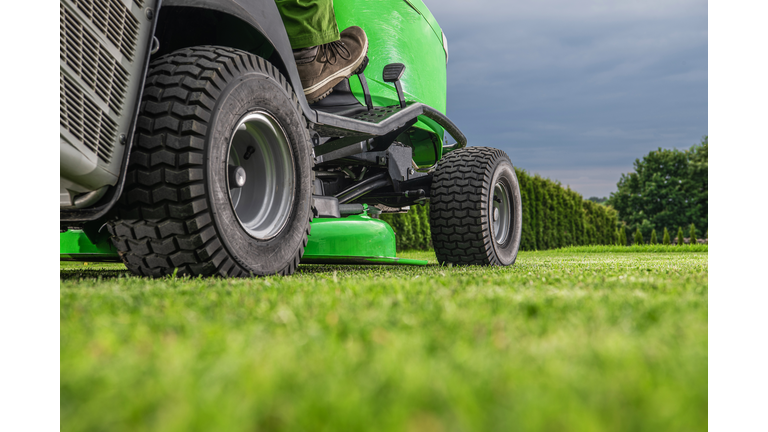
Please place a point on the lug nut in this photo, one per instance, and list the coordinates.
(236, 176)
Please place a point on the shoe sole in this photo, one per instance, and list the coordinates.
(334, 79)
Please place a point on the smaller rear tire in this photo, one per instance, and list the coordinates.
(475, 208)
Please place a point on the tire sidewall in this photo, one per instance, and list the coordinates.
(505, 253)
(255, 91)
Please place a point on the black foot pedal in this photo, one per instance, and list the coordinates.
(359, 72)
(392, 73)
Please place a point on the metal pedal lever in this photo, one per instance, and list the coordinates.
(392, 73)
(359, 72)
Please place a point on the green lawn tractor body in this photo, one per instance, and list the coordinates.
(187, 144)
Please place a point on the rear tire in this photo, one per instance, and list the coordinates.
(178, 210)
(475, 208)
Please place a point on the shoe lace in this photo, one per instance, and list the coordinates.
(331, 52)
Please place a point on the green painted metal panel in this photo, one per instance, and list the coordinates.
(357, 235)
(402, 32)
(427, 15)
(74, 245)
(357, 239)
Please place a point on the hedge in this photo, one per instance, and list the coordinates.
(553, 217)
(412, 228)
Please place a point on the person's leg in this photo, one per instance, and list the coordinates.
(324, 57)
(308, 22)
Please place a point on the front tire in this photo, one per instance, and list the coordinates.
(475, 208)
(219, 179)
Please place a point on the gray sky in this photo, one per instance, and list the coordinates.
(576, 90)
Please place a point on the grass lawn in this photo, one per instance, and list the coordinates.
(563, 340)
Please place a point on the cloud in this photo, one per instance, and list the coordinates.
(577, 86)
(485, 11)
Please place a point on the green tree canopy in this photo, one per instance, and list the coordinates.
(668, 189)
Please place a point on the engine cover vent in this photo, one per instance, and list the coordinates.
(92, 62)
(86, 121)
(115, 21)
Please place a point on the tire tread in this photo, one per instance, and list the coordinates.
(459, 206)
(164, 221)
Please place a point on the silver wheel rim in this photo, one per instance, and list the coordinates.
(501, 213)
(259, 152)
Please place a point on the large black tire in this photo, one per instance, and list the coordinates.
(175, 211)
(462, 208)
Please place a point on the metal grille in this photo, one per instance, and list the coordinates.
(82, 52)
(378, 114)
(83, 119)
(115, 21)
(139, 3)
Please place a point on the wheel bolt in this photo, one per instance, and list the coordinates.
(236, 176)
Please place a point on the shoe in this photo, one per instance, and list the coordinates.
(322, 67)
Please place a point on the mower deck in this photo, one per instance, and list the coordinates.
(76, 246)
(356, 240)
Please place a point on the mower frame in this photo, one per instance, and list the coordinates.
(335, 134)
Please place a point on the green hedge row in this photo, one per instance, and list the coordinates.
(412, 228)
(553, 217)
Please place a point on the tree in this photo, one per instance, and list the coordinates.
(666, 240)
(680, 239)
(639, 237)
(622, 236)
(646, 227)
(693, 234)
(667, 188)
(653, 238)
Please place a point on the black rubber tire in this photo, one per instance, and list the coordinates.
(462, 193)
(175, 211)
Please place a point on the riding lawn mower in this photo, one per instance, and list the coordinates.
(188, 147)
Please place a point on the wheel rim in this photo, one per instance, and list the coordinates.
(260, 175)
(501, 213)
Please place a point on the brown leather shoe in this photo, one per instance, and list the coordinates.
(323, 66)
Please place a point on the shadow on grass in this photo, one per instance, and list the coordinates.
(76, 270)
(79, 273)
(358, 269)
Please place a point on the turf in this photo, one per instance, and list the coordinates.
(657, 248)
(561, 341)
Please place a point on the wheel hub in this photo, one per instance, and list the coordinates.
(260, 175)
(502, 213)
(236, 176)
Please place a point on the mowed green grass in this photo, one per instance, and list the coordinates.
(558, 342)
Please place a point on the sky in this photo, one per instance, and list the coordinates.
(576, 90)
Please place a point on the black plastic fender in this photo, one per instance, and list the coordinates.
(264, 17)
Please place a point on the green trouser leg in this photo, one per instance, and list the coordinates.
(308, 22)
